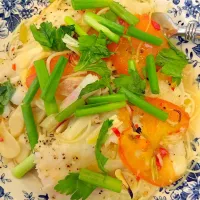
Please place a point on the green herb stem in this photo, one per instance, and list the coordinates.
(31, 91)
(89, 4)
(30, 125)
(142, 104)
(152, 75)
(70, 110)
(120, 11)
(114, 27)
(78, 29)
(107, 99)
(49, 92)
(101, 180)
(99, 109)
(145, 37)
(88, 17)
(102, 137)
(24, 167)
(43, 77)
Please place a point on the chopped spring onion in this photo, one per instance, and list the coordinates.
(142, 104)
(99, 109)
(110, 15)
(101, 180)
(89, 4)
(70, 110)
(151, 74)
(120, 11)
(88, 17)
(114, 27)
(78, 29)
(31, 91)
(43, 77)
(30, 125)
(107, 99)
(146, 37)
(48, 94)
(93, 105)
(24, 167)
(115, 7)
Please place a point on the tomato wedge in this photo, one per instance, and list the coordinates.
(139, 152)
(154, 129)
(126, 49)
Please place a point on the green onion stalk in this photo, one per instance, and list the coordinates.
(99, 109)
(115, 7)
(78, 29)
(30, 124)
(32, 91)
(107, 99)
(90, 20)
(70, 110)
(100, 180)
(114, 27)
(152, 75)
(49, 91)
(145, 37)
(43, 77)
(24, 167)
(144, 105)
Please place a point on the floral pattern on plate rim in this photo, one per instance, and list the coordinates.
(12, 12)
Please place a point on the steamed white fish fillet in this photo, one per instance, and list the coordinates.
(55, 161)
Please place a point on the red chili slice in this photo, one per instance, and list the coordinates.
(116, 131)
(155, 25)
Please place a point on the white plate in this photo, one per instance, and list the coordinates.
(29, 188)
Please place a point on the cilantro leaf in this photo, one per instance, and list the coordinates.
(58, 44)
(134, 82)
(6, 93)
(93, 87)
(92, 49)
(101, 69)
(51, 37)
(172, 61)
(101, 159)
(71, 185)
(44, 35)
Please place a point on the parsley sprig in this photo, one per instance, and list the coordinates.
(172, 61)
(72, 185)
(51, 37)
(6, 92)
(92, 49)
(133, 82)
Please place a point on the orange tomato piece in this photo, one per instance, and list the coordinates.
(154, 129)
(126, 50)
(73, 58)
(31, 75)
(138, 160)
(124, 116)
(70, 65)
(138, 152)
